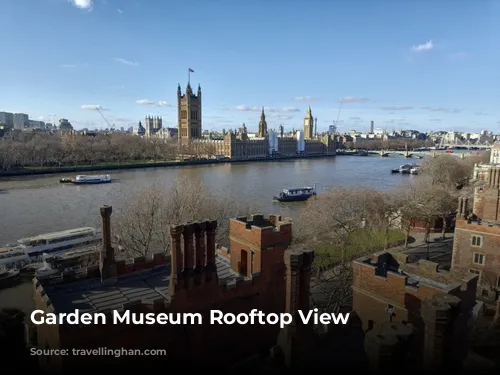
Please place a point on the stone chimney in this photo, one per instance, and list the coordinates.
(107, 265)
(296, 339)
(494, 177)
(463, 208)
(193, 253)
(442, 346)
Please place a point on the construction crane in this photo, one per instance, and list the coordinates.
(111, 127)
(336, 122)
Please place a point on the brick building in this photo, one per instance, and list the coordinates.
(476, 247)
(397, 299)
(196, 278)
(435, 226)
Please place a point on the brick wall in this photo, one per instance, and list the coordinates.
(435, 227)
(372, 293)
(463, 251)
(487, 203)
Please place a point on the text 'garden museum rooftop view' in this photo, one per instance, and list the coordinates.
(255, 186)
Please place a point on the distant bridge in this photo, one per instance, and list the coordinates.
(406, 154)
(467, 144)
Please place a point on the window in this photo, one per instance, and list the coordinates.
(183, 115)
(498, 282)
(478, 258)
(477, 241)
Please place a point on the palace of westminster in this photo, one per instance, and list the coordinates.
(236, 144)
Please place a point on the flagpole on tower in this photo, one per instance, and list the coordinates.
(189, 75)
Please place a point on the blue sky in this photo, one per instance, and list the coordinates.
(425, 64)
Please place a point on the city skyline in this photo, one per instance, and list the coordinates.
(400, 65)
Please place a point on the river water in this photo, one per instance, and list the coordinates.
(40, 204)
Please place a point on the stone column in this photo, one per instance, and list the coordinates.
(305, 280)
(200, 246)
(460, 206)
(211, 227)
(107, 264)
(176, 255)
(106, 212)
(187, 233)
(438, 340)
(293, 263)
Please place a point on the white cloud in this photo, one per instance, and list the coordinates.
(153, 104)
(83, 4)
(246, 108)
(435, 120)
(125, 62)
(480, 114)
(427, 46)
(306, 99)
(353, 99)
(440, 109)
(93, 107)
(397, 108)
(119, 11)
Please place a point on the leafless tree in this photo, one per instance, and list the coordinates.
(425, 202)
(142, 226)
(328, 224)
(446, 170)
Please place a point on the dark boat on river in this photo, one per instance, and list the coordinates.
(296, 195)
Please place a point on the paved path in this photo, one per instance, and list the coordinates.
(439, 251)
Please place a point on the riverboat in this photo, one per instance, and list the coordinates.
(11, 255)
(295, 195)
(8, 276)
(53, 265)
(406, 168)
(415, 170)
(88, 179)
(66, 180)
(59, 241)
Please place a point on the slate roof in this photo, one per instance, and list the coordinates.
(92, 295)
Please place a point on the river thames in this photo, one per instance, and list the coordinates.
(32, 205)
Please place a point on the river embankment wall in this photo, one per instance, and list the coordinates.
(114, 167)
